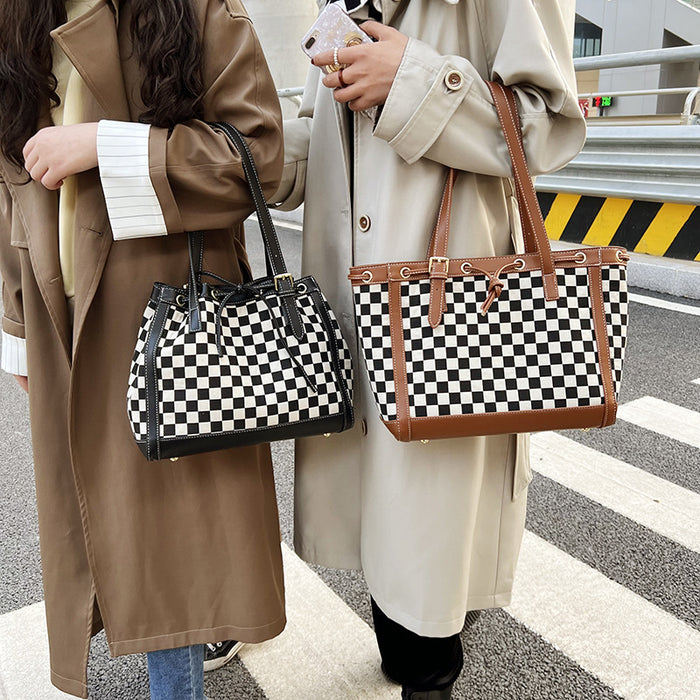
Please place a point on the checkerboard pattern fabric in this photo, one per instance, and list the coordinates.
(137, 407)
(264, 378)
(372, 314)
(616, 305)
(525, 354)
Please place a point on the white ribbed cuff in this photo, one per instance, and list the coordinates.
(14, 355)
(122, 156)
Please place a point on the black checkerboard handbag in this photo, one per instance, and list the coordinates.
(508, 344)
(224, 365)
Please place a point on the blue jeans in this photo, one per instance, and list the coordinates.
(177, 674)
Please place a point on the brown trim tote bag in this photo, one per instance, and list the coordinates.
(482, 346)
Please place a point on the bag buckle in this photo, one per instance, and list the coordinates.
(283, 276)
(437, 260)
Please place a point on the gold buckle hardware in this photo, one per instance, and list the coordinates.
(436, 259)
(284, 275)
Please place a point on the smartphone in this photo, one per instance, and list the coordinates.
(333, 28)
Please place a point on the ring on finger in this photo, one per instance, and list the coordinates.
(336, 65)
(343, 84)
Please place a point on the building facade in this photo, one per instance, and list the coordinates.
(620, 26)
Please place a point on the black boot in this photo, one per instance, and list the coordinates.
(409, 694)
(416, 662)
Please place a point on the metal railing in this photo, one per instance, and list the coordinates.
(679, 54)
(290, 92)
(687, 116)
(647, 162)
(651, 163)
(652, 57)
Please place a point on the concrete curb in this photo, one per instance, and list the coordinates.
(679, 278)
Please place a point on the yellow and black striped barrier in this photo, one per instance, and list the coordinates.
(668, 230)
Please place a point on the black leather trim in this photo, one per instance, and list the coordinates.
(262, 286)
(182, 447)
(195, 241)
(152, 400)
(348, 412)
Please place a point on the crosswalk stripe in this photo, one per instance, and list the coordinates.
(655, 503)
(631, 645)
(664, 418)
(24, 656)
(326, 650)
(663, 304)
(597, 623)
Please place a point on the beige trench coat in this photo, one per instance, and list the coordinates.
(161, 554)
(437, 527)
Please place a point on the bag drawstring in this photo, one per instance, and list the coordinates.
(239, 289)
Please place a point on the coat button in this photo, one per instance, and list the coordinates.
(454, 80)
(364, 223)
(363, 427)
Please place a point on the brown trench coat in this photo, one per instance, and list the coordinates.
(133, 546)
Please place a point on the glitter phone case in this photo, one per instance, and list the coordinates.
(333, 28)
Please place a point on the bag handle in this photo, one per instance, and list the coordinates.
(398, 12)
(534, 232)
(276, 266)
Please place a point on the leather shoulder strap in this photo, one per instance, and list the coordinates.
(398, 12)
(536, 240)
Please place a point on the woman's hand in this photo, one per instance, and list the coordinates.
(56, 152)
(22, 381)
(369, 69)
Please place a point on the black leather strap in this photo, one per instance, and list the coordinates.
(151, 373)
(273, 253)
(398, 13)
(348, 412)
(195, 242)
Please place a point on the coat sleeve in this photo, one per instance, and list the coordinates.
(297, 137)
(14, 352)
(191, 177)
(440, 108)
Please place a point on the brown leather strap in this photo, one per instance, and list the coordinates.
(398, 355)
(440, 427)
(489, 267)
(398, 13)
(600, 327)
(441, 232)
(438, 262)
(534, 231)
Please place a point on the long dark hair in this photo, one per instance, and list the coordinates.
(166, 43)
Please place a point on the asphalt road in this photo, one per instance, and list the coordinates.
(504, 657)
